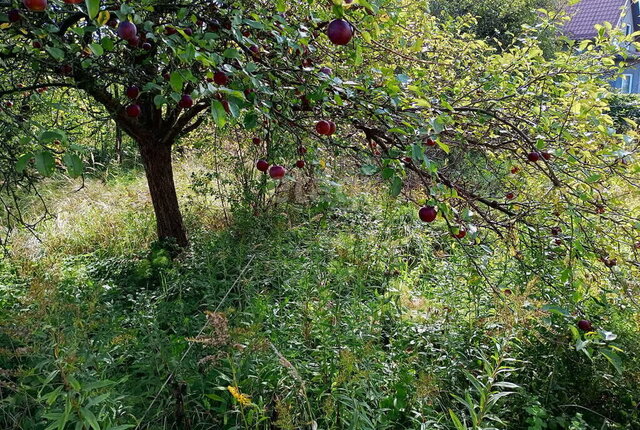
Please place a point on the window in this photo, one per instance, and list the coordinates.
(626, 81)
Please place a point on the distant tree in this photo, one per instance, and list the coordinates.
(498, 20)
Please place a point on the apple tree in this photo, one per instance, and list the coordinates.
(513, 143)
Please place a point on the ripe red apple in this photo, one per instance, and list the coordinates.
(327, 71)
(8, 104)
(610, 262)
(255, 50)
(277, 172)
(113, 22)
(340, 32)
(430, 142)
(73, 1)
(169, 30)
(248, 91)
(134, 42)
(637, 245)
(600, 210)
(333, 127)
(510, 196)
(323, 127)
(555, 231)
(186, 101)
(166, 76)
(220, 78)
(546, 156)
(461, 233)
(302, 150)
(35, 5)
(199, 22)
(37, 44)
(147, 46)
(133, 92)
(533, 156)
(188, 31)
(585, 325)
(65, 69)
(246, 33)
(514, 170)
(225, 105)
(134, 111)
(127, 31)
(300, 164)
(507, 292)
(262, 165)
(427, 213)
(257, 141)
(14, 15)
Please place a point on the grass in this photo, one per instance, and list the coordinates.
(345, 313)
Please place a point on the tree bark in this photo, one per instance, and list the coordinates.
(156, 158)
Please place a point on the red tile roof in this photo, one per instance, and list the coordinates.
(587, 13)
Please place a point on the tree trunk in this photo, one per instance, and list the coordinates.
(157, 165)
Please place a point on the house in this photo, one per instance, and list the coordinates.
(624, 14)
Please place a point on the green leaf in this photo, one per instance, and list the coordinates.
(369, 169)
(218, 113)
(443, 146)
(56, 53)
(176, 81)
(250, 120)
(90, 418)
(417, 153)
(73, 164)
(45, 163)
(280, 6)
(52, 135)
(93, 7)
(96, 49)
(22, 162)
(396, 186)
(613, 358)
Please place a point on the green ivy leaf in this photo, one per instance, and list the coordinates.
(369, 169)
(396, 186)
(176, 81)
(96, 49)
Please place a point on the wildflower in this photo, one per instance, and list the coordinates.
(243, 399)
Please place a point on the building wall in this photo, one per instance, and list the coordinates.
(634, 73)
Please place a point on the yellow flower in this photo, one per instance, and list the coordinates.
(243, 399)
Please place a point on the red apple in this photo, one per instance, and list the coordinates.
(188, 31)
(302, 150)
(35, 5)
(585, 325)
(262, 165)
(147, 46)
(533, 156)
(546, 156)
(127, 31)
(255, 50)
(461, 233)
(220, 78)
(340, 32)
(14, 15)
(510, 196)
(225, 105)
(300, 164)
(277, 172)
(134, 111)
(113, 22)
(555, 231)
(65, 69)
(257, 141)
(169, 30)
(515, 169)
(134, 42)
(333, 127)
(133, 92)
(430, 142)
(186, 101)
(427, 213)
(323, 127)
(37, 44)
